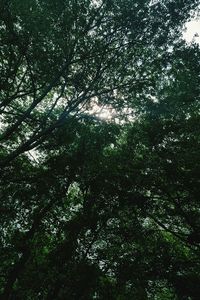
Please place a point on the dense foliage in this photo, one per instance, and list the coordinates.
(92, 207)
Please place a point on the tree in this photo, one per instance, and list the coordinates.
(99, 209)
(64, 56)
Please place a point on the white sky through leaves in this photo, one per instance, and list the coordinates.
(192, 32)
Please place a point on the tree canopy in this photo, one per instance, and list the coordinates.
(93, 207)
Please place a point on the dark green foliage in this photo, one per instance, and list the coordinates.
(96, 208)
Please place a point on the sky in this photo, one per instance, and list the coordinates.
(192, 32)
